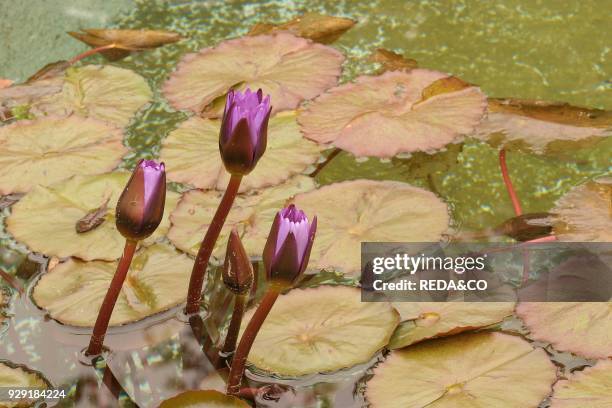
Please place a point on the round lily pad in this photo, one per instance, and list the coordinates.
(203, 399)
(321, 329)
(352, 212)
(252, 215)
(583, 328)
(14, 376)
(73, 291)
(585, 213)
(397, 112)
(191, 154)
(591, 387)
(288, 68)
(424, 320)
(48, 150)
(46, 218)
(102, 92)
(465, 371)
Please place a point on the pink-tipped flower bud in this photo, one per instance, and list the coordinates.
(141, 206)
(288, 246)
(244, 130)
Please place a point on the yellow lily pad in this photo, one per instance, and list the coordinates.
(48, 150)
(203, 399)
(465, 371)
(352, 212)
(45, 219)
(425, 320)
(191, 154)
(288, 68)
(321, 329)
(16, 376)
(102, 92)
(73, 291)
(589, 388)
(583, 328)
(252, 215)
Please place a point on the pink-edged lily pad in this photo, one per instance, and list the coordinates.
(288, 68)
(591, 387)
(396, 112)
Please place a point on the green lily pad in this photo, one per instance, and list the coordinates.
(352, 212)
(48, 150)
(425, 320)
(321, 329)
(591, 387)
(252, 215)
(465, 371)
(45, 219)
(288, 68)
(203, 399)
(17, 376)
(73, 291)
(191, 154)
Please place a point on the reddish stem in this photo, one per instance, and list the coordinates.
(247, 339)
(233, 330)
(11, 281)
(104, 315)
(324, 163)
(504, 170)
(208, 243)
(91, 52)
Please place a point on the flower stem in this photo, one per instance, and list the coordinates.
(104, 315)
(504, 170)
(208, 243)
(248, 337)
(91, 52)
(324, 163)
(11, 281)
(234, 327)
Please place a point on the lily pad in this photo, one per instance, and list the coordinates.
(321, 329)
(583, 328)
(288, 68)
(317, 27)
(585, 213)
(591, 387)
(465, 371)
(191, 154)
(46, 218)
(104, 92)
(48, 150)
(352, 212)
(73, 291)
(203, 399)
(396, 112)
(17, 376)
(252, 215)
(425, 320)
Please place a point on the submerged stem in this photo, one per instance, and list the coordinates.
(91, 52)
(248, 337)
(234, 327)
(208, 243)
(104, 315)
(11, 281)
(325, 162)
(508, 182)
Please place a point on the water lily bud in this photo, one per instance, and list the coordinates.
(237, 269)
(244, 130)
(288, 246)
(141, 206)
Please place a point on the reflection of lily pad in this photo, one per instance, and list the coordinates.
(465, 371)
(73, 291)
(581, 328)
(45, 151)
(16, 376)
(4, 300)
(424, 320)
(191, 154)
(352, 212)
(252, 215)
(396, 112)
(590, 388)
(102, 92)
(288, 68)
(203, 399)
(585, 213)
(321, 329)
(45, 219)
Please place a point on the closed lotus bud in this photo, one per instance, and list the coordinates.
(237, 269)
(244, 130)
(288, 246)
(141, 206)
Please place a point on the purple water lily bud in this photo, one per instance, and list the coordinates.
(288, 246)
(244, 130)
(141, 206)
